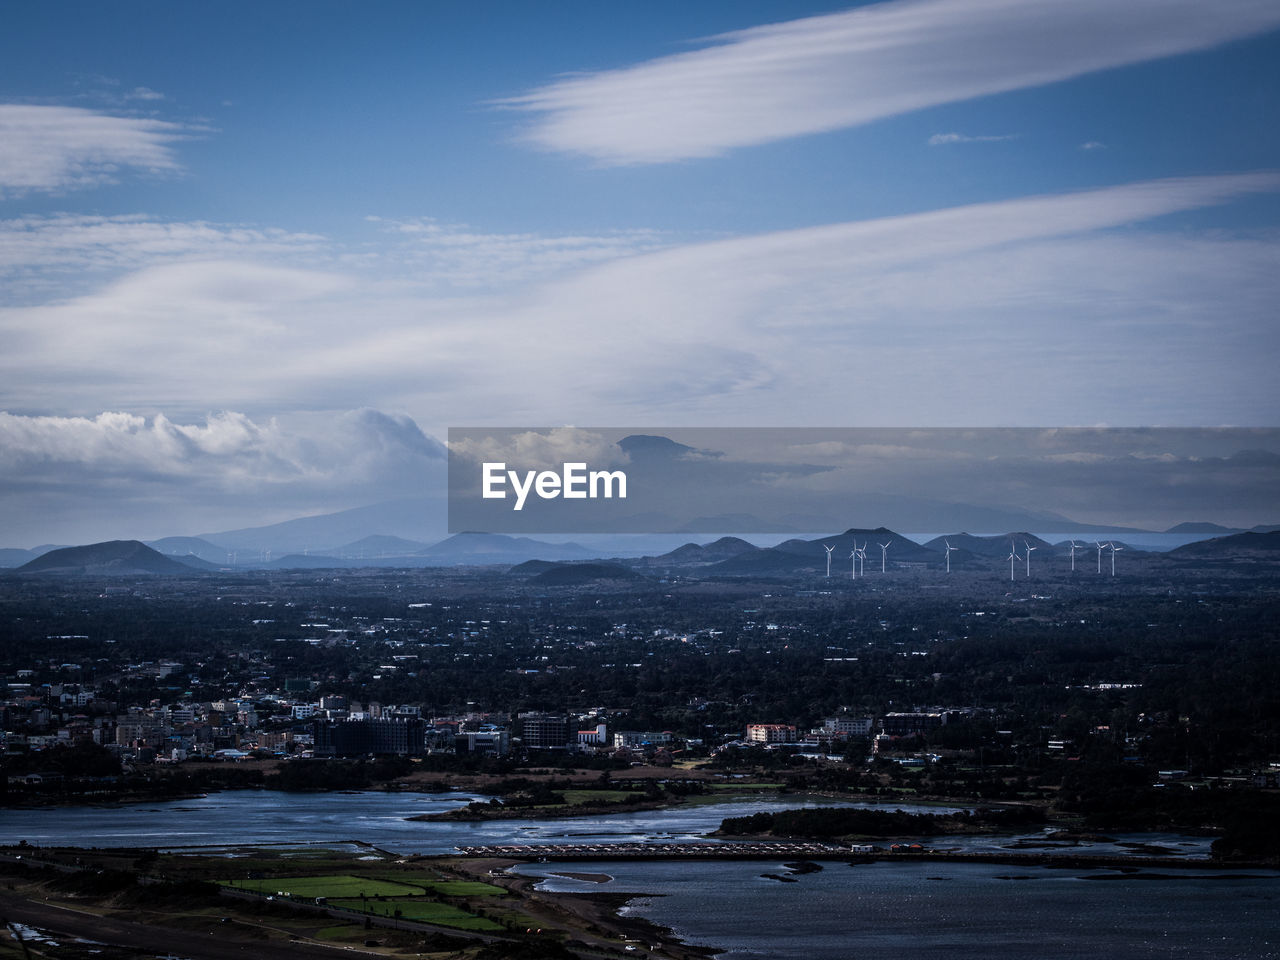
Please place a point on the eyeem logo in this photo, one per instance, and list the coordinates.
(573, 482)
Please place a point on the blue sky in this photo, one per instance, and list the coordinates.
(225, 229)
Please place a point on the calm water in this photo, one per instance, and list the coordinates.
(870, 912)
(940, 911)
(245, 817)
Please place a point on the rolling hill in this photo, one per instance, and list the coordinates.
(116, 558)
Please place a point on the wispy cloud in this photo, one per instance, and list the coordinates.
(1093, 145)
(941, 139)
(458, 255)
(1022, 311)
(62, 253)
(57, 148)
(844, 69)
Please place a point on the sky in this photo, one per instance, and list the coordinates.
(256, 259)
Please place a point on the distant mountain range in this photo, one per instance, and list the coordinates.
(409, 532)
(16, 557)
(1238, 545)
(569, 564)
(421, 520)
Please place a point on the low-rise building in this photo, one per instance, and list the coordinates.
(771, 733)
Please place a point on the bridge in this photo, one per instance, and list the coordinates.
(813, 850)
(770, 850)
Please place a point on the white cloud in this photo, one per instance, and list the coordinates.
(162, 475)
(941, 139)
(55, 148)
(533, 449)
(228, 450)
(844, 69)
(1093, 145)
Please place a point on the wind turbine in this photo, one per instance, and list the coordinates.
(1029, 547)
(862, 557)
(949, 549)
(853, 556)
(830, 550)
(884, 551)
(1013, 555)
(1114, 550)
(1099, 546)
(1074, 545)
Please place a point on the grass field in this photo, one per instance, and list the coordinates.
(465, 888)
(434, 883)
(330, 886)
(745, 787)
(422, 911)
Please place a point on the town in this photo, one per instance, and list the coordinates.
(1145, 699)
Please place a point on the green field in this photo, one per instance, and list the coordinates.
(745, 786)
(465, 888)
(331, 886)
(422, 911)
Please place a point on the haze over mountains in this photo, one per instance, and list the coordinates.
(407, 533)
(878, 549)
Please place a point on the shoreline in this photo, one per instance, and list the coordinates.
(588, 914)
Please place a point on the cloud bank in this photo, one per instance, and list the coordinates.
(163, 476)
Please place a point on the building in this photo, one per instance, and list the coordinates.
(381, 737)
(905, 724)
(848, 726)
(771, 733)
(640, 739)
(545, 731)
(489, 740)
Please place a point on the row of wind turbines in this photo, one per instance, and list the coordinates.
(1013, 555)
(858, 556)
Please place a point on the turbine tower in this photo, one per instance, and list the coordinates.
(1029, 549)
(884, 551)
(1099, 546)
(1114, 550)
(853, 556)
(1013, 555)
(830, 550)
(1074, 546)
(862, 557)
(949, 549)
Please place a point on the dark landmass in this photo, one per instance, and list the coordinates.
(121, 558)
(576, 574)
(827, 823)
(1239, 545)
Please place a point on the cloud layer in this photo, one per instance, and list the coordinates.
(1063, 309)
(844, 69)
